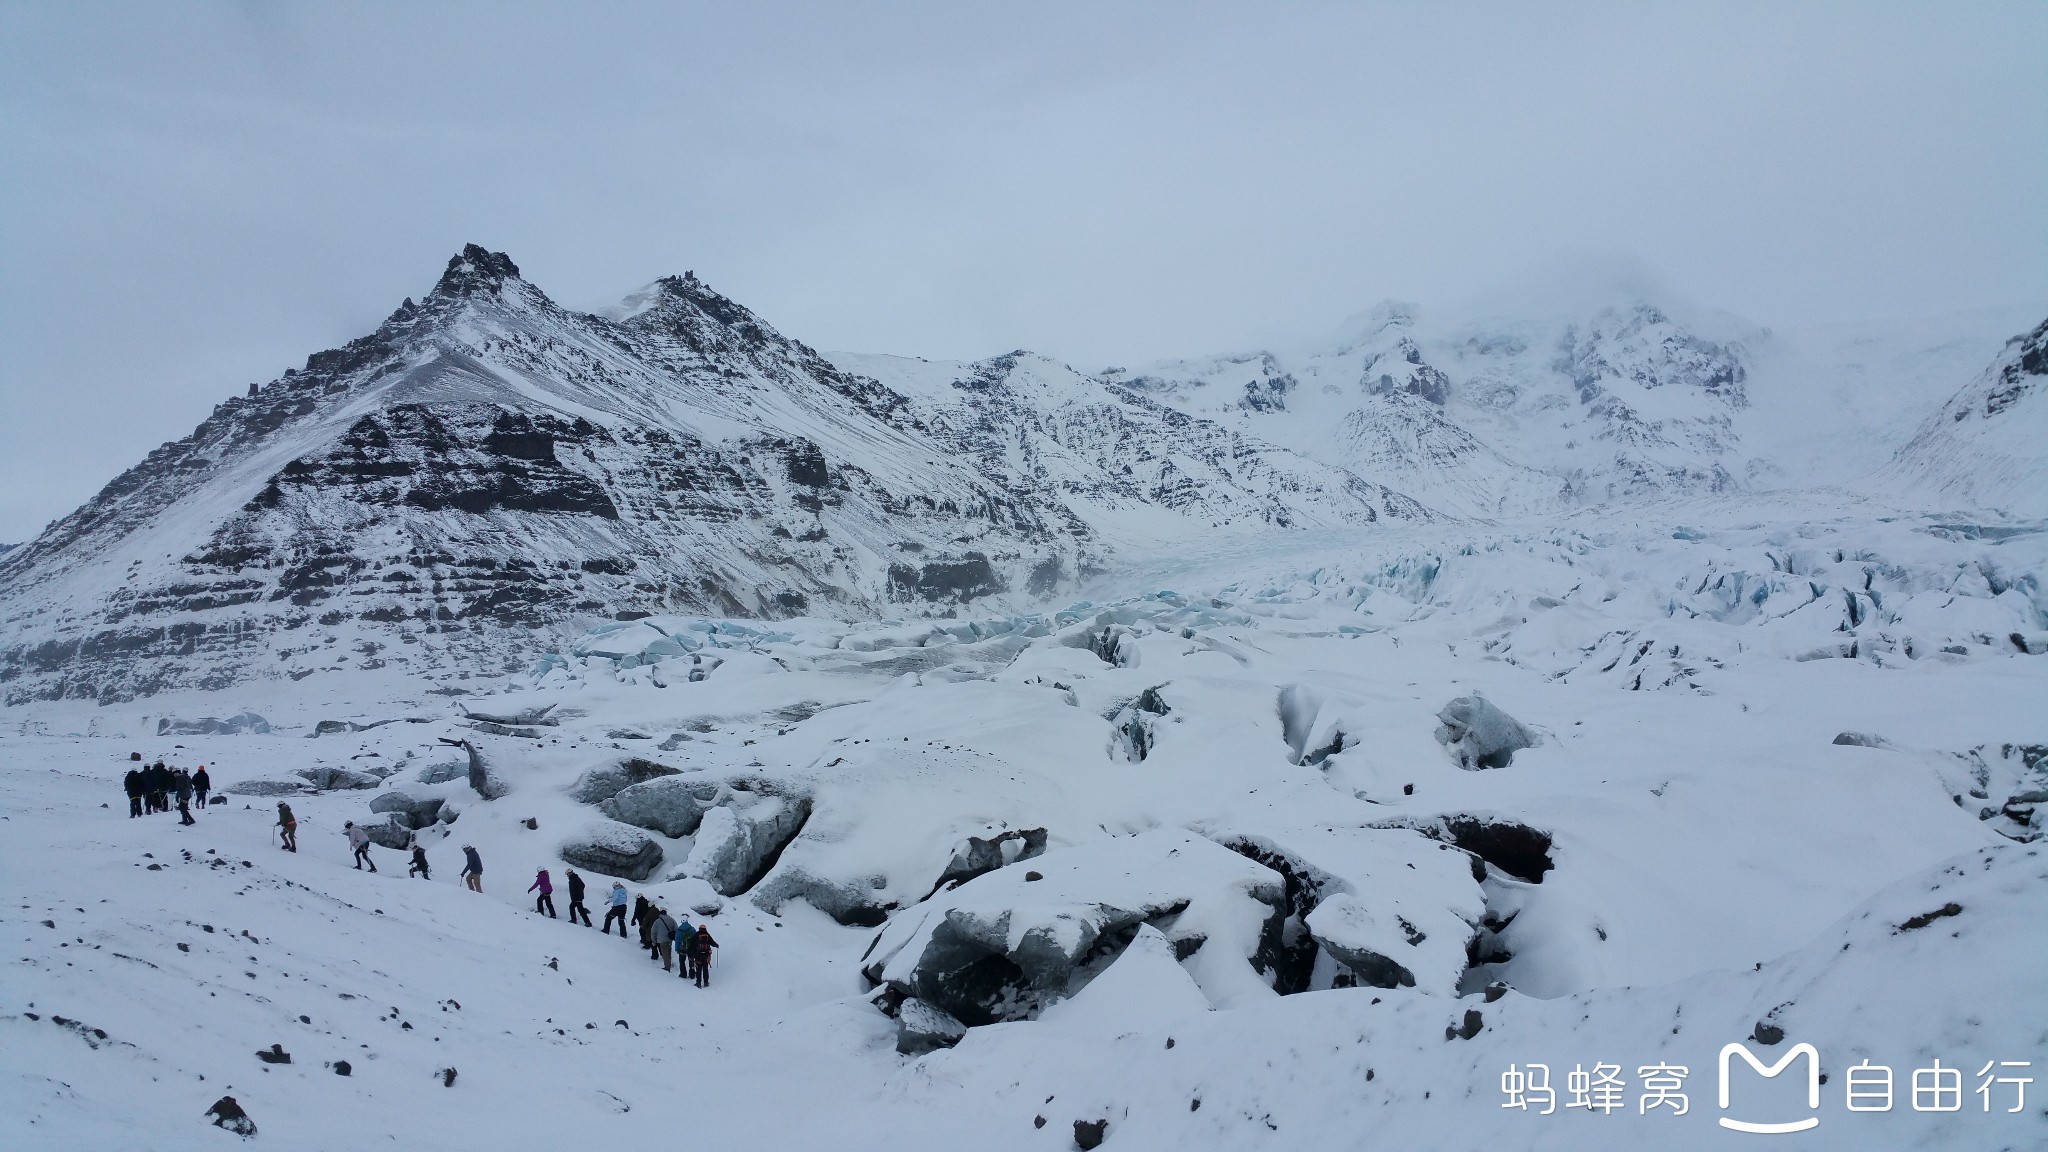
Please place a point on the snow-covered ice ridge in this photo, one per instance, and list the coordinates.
(1221, 865)
(1057, 756)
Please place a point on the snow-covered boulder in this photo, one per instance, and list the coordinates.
(443, 772)
(920, 1027)
(978, 854)
(1384, 947)
(266, 788)
(671, 805)
(389, 833)
(1479, 735)
(1004, 945)
(1144, 987)
(601, 784)
(737, 841)
(333, 779)
(236, 725)
(614, 850)
(414, 811)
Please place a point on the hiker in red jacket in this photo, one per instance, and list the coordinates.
(704, 944)
(545, 902)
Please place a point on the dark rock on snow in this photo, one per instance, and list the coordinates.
(229, 1115)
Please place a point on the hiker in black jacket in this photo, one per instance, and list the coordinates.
(643, 915)
(576, 907)
(133, 784)
(201, 784)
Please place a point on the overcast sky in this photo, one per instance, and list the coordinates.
(195, 197)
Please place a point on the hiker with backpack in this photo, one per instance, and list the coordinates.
(472, 869)
(201, 785)
(183, 785)
(663, 929)
(545, 902)
(617, 911)
(686, 950)
(576, 907)
(704, 944)
(132, 784)
(419, 862)
(288, 825)
(359, 839)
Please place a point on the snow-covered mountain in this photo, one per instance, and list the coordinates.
(1494, 416)
(1985, 447)
(487, 466)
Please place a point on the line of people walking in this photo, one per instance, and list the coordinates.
(679, 946)
(674, 942)
(152, 788)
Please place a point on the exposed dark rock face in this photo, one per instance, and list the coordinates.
(488, 471)
(978, 854)
(1517, 849)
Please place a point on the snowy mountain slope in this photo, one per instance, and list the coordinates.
(487, 464)
(1831, 403)
(1706, 853)
(1490, 416)
(1984, 448)
(1029, 420)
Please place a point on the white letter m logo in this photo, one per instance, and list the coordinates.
(1812, 1087)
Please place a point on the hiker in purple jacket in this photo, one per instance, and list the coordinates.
(545, 902)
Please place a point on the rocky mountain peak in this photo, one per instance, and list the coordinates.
(475, 271)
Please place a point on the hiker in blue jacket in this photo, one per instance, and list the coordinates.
(686, 949)
(617, 911)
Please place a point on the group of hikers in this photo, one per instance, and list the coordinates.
(681, 947)
(152, 787)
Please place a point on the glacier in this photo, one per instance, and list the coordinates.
(1260, 750)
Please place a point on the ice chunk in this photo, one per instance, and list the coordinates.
(1479, 735)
